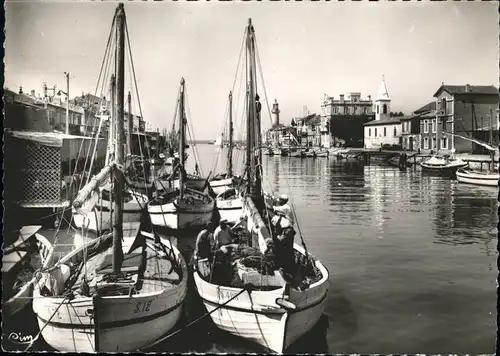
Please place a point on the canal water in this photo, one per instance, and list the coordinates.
(412, 259)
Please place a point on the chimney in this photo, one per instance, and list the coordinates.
(276, 113)
(467, 88)
(369, 98)
(20, 90)
(341, 97)
(32, 92)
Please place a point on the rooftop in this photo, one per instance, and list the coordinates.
(468, 89)
(427, 107)
(388, 121)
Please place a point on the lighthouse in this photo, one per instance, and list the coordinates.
(276, 113)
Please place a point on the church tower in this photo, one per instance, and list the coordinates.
(383, 102)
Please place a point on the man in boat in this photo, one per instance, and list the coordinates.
(282, 208)
(222, 235)
(283, 247)
(203, 247)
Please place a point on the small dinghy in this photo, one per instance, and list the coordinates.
(442, 164)
(470, 176)
(22, 262)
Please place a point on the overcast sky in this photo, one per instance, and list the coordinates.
(306, 50)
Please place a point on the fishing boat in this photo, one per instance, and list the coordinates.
(228, 199)
(224, 181)
(442, 164)
(181, 207)
(262, 306)
(477, 177)
(111, 295)
(299, 153)
(96, 213)
(21, 261)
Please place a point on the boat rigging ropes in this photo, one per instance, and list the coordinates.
(190, 132)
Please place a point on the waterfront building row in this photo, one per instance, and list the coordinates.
(47, 112)
(466, 110)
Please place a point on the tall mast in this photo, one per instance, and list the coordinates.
(119, 157)
(492, 153)
(182, 144)
(230, 149)
(111, 124)
(249, 141)
(130, 124)
(251, 110)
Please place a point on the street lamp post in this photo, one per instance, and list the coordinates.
(67, 102)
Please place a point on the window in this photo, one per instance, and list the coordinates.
(395, 131)
(433, 126)
(444, 125)
(444, 143)
(443, 105)
(385, 109)
(375, 132)
(377, 109)
(346, 109)
(429, 125)
(426, 143)
(426, 130)
(434, 143)
(52, 117)
(369, 132)
(385, 131)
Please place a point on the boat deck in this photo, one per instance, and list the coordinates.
(144, 269)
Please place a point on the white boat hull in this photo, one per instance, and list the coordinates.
(221, 185)
(230, 209)
(124, 323)
(99, 219)
(256, 316)
(24, 296)
(181, 214)
(478, 178)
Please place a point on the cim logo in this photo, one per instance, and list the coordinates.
(18, 338)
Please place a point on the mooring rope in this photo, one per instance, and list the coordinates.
(245, 289)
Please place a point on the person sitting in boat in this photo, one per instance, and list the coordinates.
(203, 247)
(222, 235)
(283, 247)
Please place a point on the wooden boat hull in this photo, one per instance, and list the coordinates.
(230, 209)
(297, 154)
(23, 297)
(99, 219)
(451, 168)
(196, 183)
(478, 178)
(124, 323)
(221, 185)
(321, 153)
(256, 316)
(182, 214)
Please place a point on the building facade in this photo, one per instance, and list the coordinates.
(53, 109)
(465, 110)
(342, 119)
(383, 132)
(410, 132)
(308, 130)
(384, 129)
